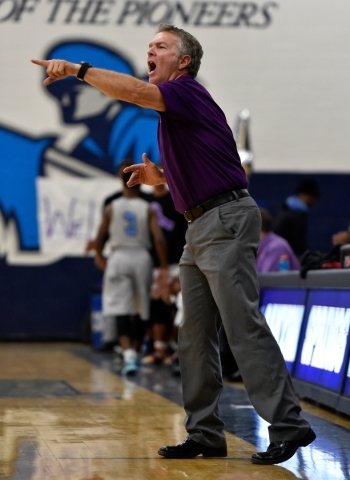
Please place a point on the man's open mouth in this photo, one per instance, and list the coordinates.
(151, 66)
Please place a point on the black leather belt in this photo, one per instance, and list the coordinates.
(198, 211)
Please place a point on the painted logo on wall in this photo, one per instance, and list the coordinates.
(113, 131)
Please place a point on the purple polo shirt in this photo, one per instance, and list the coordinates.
(197, 148)
(271, 247)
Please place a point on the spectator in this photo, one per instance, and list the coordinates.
(174, 228)
(341, 238)
(272, 247)
(173, 297)
(291, 221)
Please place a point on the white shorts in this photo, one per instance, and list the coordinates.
(127, 283)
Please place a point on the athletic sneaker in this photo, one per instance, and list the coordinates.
(130, 368)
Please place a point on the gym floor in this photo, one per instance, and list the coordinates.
(65, 414)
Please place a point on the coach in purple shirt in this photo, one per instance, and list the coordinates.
(272, 247)
(218, 267)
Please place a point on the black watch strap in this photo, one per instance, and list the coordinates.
(83, 69)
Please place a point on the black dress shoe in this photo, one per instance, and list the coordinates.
(190, 449)
(279, 452)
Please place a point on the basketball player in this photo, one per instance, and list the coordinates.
(129, 221)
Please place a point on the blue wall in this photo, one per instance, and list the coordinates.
(46, 302)
(50, 302)
(329, 215)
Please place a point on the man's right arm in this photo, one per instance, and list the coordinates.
(125, 87)
(113, 84)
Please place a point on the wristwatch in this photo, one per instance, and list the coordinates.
(83, 69)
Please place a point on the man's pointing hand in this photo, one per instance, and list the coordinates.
(57, 69)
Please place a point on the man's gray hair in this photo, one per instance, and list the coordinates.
(189, 45)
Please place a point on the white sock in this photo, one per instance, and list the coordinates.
(129, 354)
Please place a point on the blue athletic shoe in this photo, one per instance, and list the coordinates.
(130, 368)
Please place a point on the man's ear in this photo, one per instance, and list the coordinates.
(185, 61)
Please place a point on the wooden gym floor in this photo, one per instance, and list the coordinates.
(64, 414)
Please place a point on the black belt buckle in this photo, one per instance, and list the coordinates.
(193, 213)
(188, 215)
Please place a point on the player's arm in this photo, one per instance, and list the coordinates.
(100, 259)
(113, 84)
(90, 244)
(158, 238)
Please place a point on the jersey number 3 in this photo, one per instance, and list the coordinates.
(131, 226)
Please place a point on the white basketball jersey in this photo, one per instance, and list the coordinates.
(129, 223)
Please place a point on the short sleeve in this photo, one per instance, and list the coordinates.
(179, 97)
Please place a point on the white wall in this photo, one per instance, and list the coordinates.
(293, 75)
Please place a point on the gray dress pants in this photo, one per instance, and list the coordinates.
(219, 283)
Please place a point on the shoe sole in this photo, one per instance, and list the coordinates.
(130, 373)
(218, 453)
(309, 438)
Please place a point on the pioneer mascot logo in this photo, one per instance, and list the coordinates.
(114, 131)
